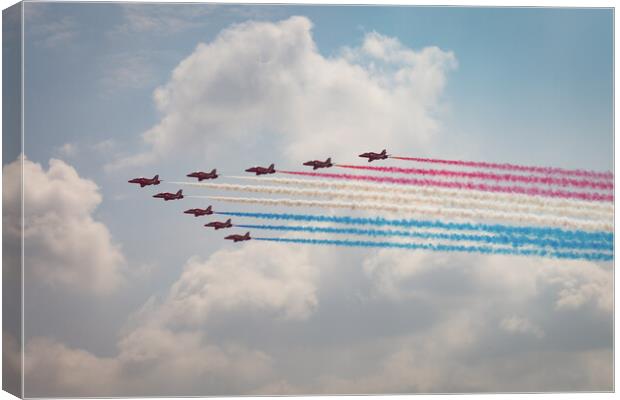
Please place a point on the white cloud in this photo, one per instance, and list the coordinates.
(186, 357)
(423, 365)
(169, 347)
(564, 305)
(394, 273)
(64, 245)
(581, 285)
(150, 362)
(573, 283)
(72, 371)
(165, 346)
(259, 77)
(248, 277)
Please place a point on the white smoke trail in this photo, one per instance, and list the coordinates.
(606, 209)
(382, 197)
(427, 211)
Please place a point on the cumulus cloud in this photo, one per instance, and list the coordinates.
(457, 323)
(573, 283)
(250, 277)
(497, 316)
(583, 285)
(64, 245)
(72, 370)
(150, 362)
(261, 77)
(416, 368)
(164, 349)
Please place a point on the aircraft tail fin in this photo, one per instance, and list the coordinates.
(329, 160)
(272, 167)
(228, 221)
(180, 192)
(214, 171)
(247, 234)
(209, 208)
(156, 177)
(384, 152)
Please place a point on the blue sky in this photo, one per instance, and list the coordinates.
(523, 74)
(521, 85)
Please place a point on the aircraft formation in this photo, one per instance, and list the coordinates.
(461, 206)
(258, 170)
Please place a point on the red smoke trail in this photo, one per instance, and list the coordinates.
(514, 167)
(529, 179)
(532, 191)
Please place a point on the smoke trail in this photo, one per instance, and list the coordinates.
(447, 201)
(449, 248)
(514, 167)
(515, 241)
(534, 231)
(511, 178)
(517, 199)
(427, 211)
(531, 191)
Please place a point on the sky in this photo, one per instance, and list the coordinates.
(130, 297)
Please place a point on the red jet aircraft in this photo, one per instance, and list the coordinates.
(316, 164)
(219, 225)
(239, 238)
(169, 196)
(199, 211)
(262, 170)
(203, 175)
(374, 156)
(146, 181)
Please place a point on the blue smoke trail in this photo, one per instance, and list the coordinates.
(448, 248)
(413, 223)
(516, 241)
